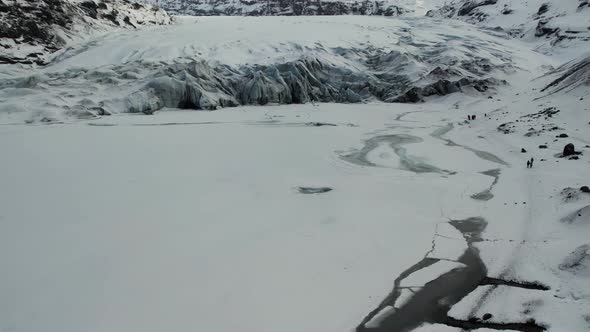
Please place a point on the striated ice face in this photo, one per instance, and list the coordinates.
(208, 63)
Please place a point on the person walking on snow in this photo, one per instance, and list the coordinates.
(528, 164)
(532, 160)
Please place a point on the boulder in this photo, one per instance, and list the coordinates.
(523, 150)
(585, 189)
(569, 150)
(542, 146)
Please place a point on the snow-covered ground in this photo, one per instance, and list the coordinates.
(187, 220)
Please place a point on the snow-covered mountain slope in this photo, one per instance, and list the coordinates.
(555, 26)
(276, 60)
(32, 29)
(286, 7)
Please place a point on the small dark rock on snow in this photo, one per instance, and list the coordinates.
(585, 189)
(319, 124)
(314, 190)
(562, 136)
(487, 316)
(523, 150)
(542, 146)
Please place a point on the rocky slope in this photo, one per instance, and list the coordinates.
(555, 26)
(32, 29)
(284, 7)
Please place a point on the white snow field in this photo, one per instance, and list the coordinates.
(200, 221)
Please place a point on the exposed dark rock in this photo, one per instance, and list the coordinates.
(585, 189)
(543, 30)
(569, 150)
(469, 6)
(445, 87)
(562, 136)
(523, 150)
(90, 8)
(542, 146)
(487, 316)
(506, 128)
(507, 11)
(543, 9)
(42, 25)
(570, 194)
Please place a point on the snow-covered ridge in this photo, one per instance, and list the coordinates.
(285, 7)
(32, 29)
(555, 26)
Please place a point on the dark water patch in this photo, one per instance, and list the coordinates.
(401, 115)
(440, 132)
(431, 303)
(295, 124)
(102, 124)
(519, 284)
(314, 190)
(486, 195)
(320, 124)
(396, 142)
(470, 228)
(473, 324)
(175, 124)
(155, 124)
(487, 156)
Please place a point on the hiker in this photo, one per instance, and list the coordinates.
(528, 164)
(468, 117)
(532, 160)
(473, 117)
